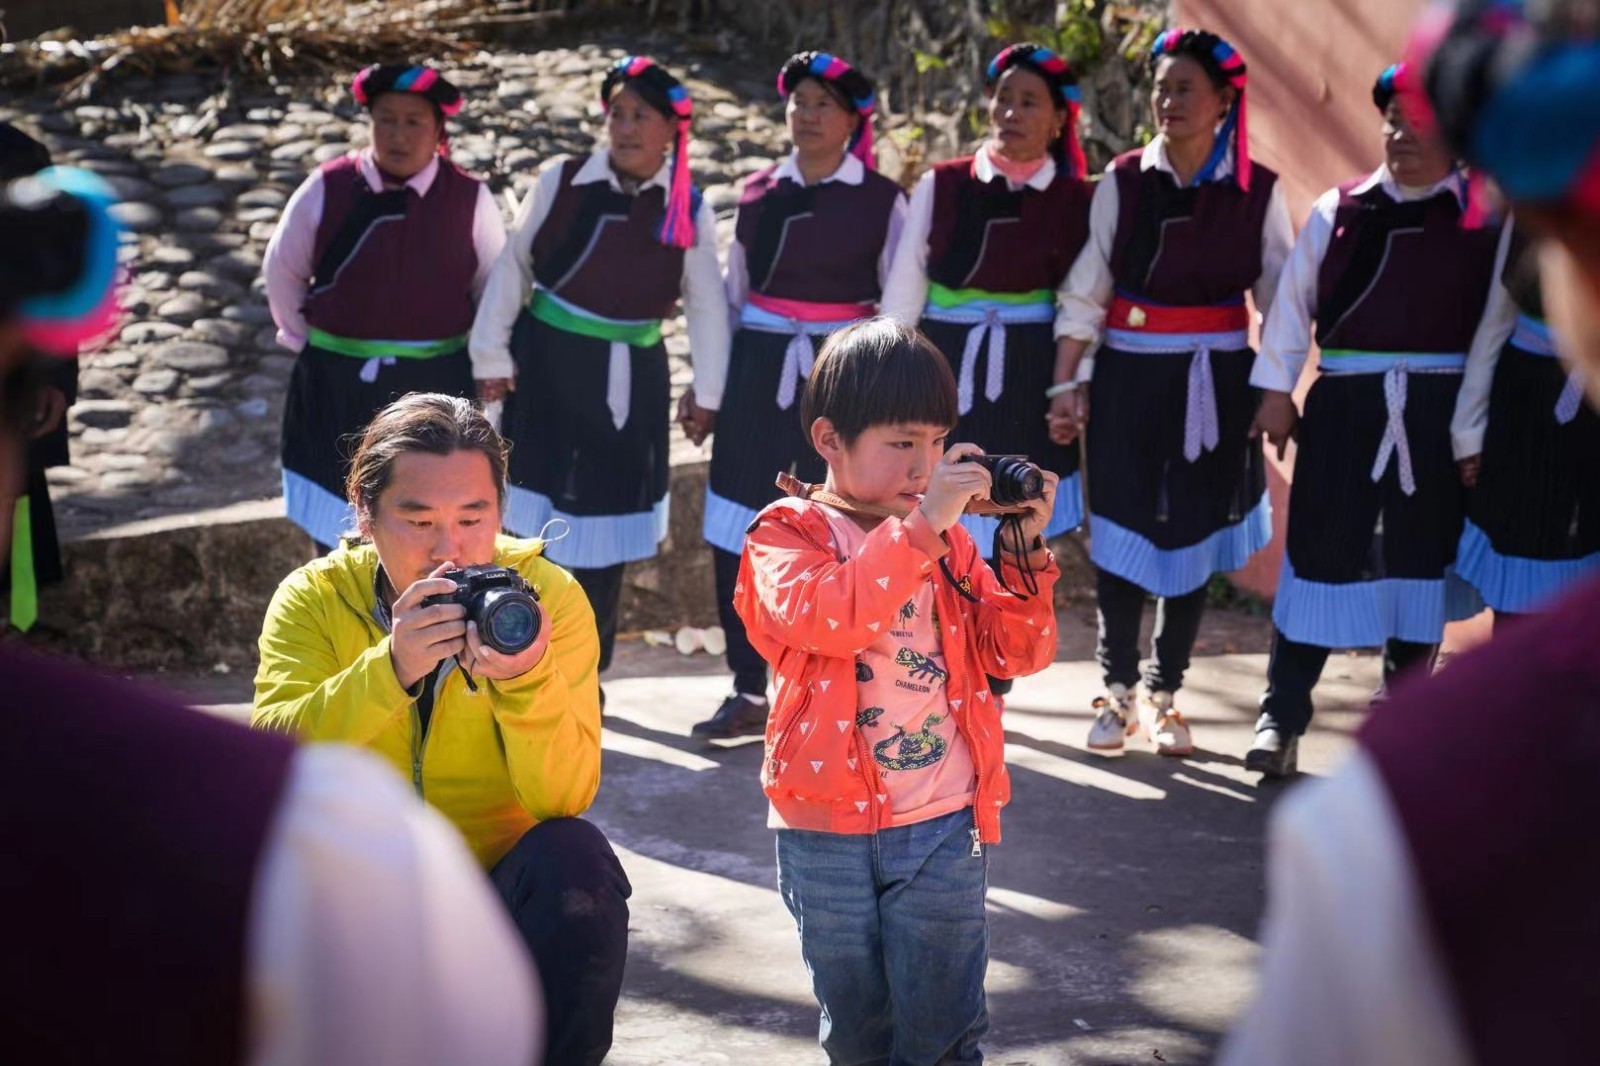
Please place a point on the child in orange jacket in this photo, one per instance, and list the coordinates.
(884, 748)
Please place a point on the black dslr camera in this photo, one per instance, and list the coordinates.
(1016, 480)
(505, 609)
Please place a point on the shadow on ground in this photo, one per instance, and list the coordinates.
(1124, 900)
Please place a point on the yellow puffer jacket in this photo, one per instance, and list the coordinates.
(496, 762)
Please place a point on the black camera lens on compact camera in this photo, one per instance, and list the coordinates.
(1016, 480)
(501, 604)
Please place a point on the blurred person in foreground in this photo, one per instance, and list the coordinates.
(1435, 901)
(182, 889)
(35, 556)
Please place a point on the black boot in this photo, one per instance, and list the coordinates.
(1274, 754)
(739, 716)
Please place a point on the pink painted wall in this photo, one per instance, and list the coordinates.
(1311, 119)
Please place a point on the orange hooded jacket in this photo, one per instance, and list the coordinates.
(810, 615)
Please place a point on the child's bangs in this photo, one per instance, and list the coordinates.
(913, 384)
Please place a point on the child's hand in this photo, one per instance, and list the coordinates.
(1040, 510)
(951, 484)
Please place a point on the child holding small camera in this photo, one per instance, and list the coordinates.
(884, 749)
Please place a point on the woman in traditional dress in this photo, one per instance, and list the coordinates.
(569, 334)
(812, 244)
(1528, 448)
(988, 240)
(1180, 231)
(373, 276)
(1375, 510)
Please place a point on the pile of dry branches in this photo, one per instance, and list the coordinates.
(266, 39)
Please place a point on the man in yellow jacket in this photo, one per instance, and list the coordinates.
(507, 746)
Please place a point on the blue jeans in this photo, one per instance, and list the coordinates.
(893, 931)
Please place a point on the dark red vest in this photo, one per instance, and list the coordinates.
(1198, 246)
(1493, 766)
(598, 249)
(133, 830)
(985, 236)
(403, 269)
(1402, 276)
(817, 243)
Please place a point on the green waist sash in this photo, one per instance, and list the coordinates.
(552, 312)
(359, 349)
(941, 296)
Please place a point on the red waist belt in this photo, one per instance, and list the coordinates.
(1157, 318)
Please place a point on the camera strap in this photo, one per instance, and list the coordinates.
(1012, 524)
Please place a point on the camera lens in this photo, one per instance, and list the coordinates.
(1016, 481)
(1030, 484)
(509, 621)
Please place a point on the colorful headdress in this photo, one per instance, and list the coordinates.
(1514, 97)
(667, 95)
(1224, 65)
(1062, 81)
(64, 283)
(1387, 85)
(426, 82)
(853, 87)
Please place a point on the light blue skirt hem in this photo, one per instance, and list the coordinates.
(592, 540)
(1512, 583)
(725, 522)
(1175, 571)
(320, 513)
(1365, 614)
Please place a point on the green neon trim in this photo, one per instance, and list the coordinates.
(24, 580)
(359, 349)
(551, 313)
(940, 296)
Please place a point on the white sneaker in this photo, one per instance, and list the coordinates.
(1116, 721)
(1170, 732)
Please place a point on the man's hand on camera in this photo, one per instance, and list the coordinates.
(951, 484)
(480, 660)
(421, 637)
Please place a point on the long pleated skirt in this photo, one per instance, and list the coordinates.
(1158, 518)
(1366, 560)
(1533, 521)
(570, 461)
(756, 438)
(329, 404)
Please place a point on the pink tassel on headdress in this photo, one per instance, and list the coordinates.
(677, 229)
(1475, 215)
(864, 149)
(1241, 151)
(1075, 156)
